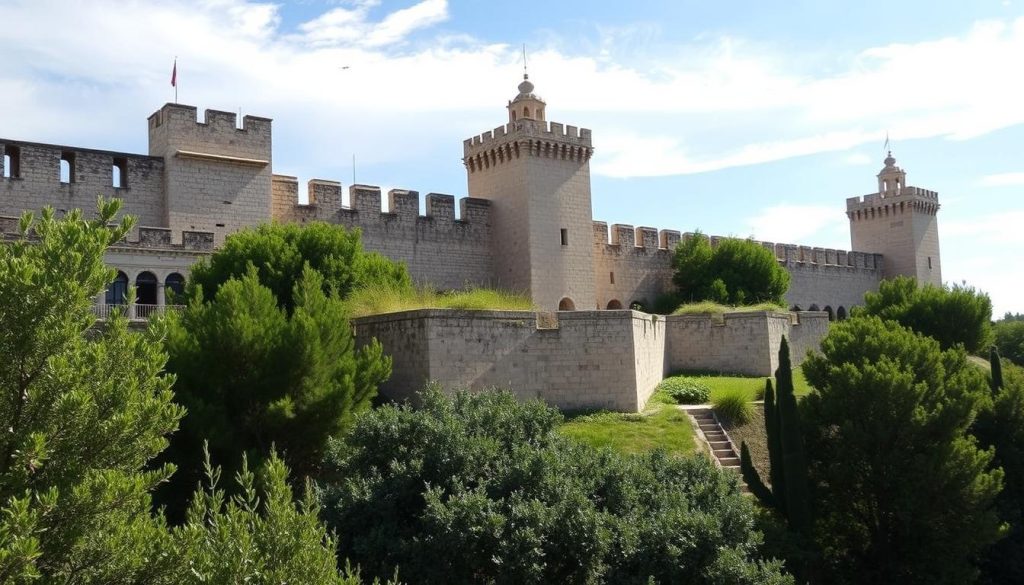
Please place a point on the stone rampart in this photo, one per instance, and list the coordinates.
(572, 360)
(577, 359)
(440, 250)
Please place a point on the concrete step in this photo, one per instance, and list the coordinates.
(725, 453)
(716, 445)
(730, 462)
(715, 436)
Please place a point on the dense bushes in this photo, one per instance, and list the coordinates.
(950, 315)
(1009, 337)
(902, 493)
(735, 272)
(685, 390)
(480, 488)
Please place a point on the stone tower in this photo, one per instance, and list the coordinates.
(899, 222)
(537, 176)
(217, 176)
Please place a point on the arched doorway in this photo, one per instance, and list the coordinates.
(841, 313)
(117, 290)
(796, 308)
(814, 307)
(614, 304)
(174, 288)
(145, 288)
(566, 304)
(831, 313)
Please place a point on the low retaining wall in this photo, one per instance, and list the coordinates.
(577, 359)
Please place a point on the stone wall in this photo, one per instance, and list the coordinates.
(439, 250)
(37, 182)
(577, 359)
(572, 360)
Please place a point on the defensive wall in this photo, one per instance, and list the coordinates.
(439, 249)
(578, 359)
(634, 265)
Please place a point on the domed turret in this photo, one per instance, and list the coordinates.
(891, 179)
(527, 105)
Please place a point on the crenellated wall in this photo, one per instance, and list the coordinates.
(36, 182)
(440, 250)
(635, 265)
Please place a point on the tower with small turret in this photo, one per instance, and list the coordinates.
(537, 175)
(900, 222)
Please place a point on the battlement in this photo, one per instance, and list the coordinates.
(403, 205)
(531, 129)
(643, 238)
(145, 237)
(182, 117)
(906, 198)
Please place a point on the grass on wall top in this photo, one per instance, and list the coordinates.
(378, 300)
(660, 425)
(712, 308)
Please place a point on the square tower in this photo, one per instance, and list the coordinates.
(537, 176)
(899, 222)
(217, 176)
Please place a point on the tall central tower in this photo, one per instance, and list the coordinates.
(537, 175)
(899, 222)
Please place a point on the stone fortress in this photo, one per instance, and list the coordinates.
(526, 226)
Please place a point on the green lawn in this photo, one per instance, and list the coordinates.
(660, 425)
(752, 386)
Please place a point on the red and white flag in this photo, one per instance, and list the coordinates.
(174, 74)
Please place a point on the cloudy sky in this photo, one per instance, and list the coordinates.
(744, 118)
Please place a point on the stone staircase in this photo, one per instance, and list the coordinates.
(722, 449)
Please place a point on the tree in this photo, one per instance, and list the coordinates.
(1000, 425)
(489, 477)
(83, 412)
(736, 272)
(950, 315)
(789, 492)
(280, 253)
(256, 536)
(252, 375)
(902, 492)
(1009, 337)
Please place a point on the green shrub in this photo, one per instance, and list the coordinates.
(685, 390)
(734, 406)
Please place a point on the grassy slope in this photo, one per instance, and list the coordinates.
(660, 425)
(378, 300)
(750, 385)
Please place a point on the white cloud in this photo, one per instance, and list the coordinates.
(341, 26)
(858, 159)
(1002, 180)
(801, 223)
(996, 229)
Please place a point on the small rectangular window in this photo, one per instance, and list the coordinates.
(120, 173)
(929, 263)
(67, 167)
(565, 237)
(611, 277)
(12, 162)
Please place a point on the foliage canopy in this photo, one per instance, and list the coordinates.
(735, 272)
(490, 478)
(950, 315)
(902, 492)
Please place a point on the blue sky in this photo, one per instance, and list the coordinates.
(736, 118)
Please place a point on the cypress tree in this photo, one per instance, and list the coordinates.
(771, 425)
(795, 491)
(997, 370)
(752, 478)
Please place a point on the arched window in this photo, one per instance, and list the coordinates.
(145, 288)
(638, 305)
(117, 290)
(513, 115)
(796, 308)
(814, 307)
(841, 313)
(566, 304)
(831, 313)
(526, 112)
(614, 304)
(174, 288)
